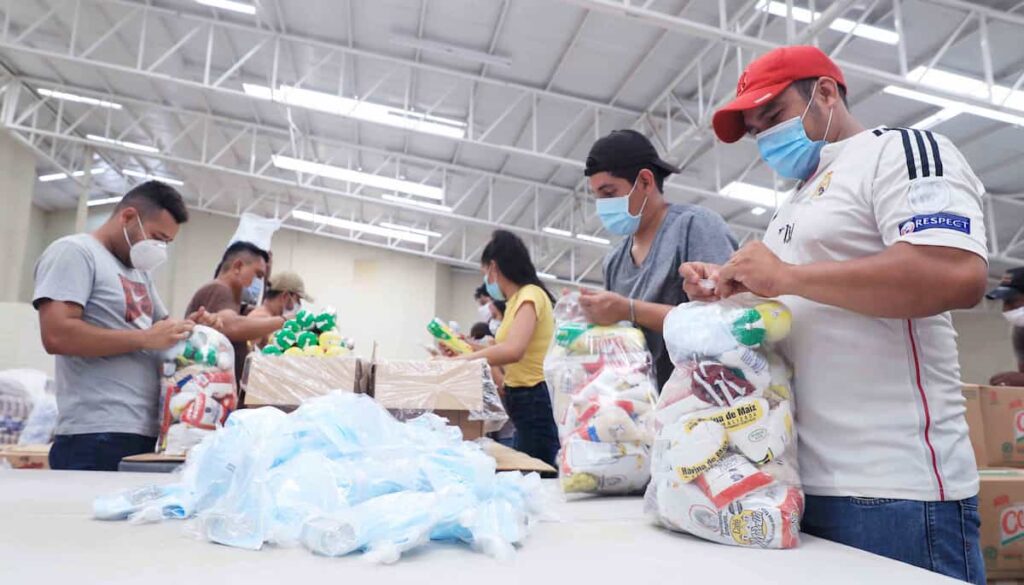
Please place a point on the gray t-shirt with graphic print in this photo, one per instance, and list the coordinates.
(689, 233)
(114, 394)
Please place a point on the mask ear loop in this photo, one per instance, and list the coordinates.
(828, 125)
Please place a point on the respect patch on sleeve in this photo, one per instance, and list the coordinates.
(939, 221)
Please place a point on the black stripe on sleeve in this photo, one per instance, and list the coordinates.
(935, 153)
(908, 150)
(923, 150)
(878, 132)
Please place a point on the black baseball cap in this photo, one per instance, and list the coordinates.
(624, 149)
(1011, 286)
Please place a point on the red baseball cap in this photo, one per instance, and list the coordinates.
(765, 78)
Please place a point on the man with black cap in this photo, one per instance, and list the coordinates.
(1011, 292)
(627, 177)
(881, 238)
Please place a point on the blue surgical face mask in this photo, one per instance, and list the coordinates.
(615, 215)
(492, 289)
(787, 149)
(254, 292)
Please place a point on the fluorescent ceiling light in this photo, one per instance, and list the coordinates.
(843, 25)
(145, 177)
(411, 230)
(360, 227)
(758, 211)
(362, 110)
(547, 276)
(229, 5)
(423, 204)
(387, 183)
(81, 99)
(450, 50)
(123, 143)
(594, 239)
(956, 107)
(60, 176)
(964, 85)
(558, 232)
(106, 201)
(761, 196)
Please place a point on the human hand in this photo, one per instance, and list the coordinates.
(1008, 379)
(202, 317)
(603, 307)
(165, 334)
(756, 269)
(700, 280)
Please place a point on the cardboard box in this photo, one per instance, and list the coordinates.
(975, 424)
(26, 456)
(1002, 414)
(289, 380)
(1001, 505)
(448, 388)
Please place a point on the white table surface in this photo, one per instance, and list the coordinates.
(48, 538)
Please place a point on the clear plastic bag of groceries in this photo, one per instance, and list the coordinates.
(724, 464)
(604, 390)
(198, 390)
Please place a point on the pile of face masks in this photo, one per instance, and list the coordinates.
(340, 475)
(606, 375)
(724, 458)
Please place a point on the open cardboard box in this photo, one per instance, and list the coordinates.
(271, 380)
(26, 456)
(448, 388)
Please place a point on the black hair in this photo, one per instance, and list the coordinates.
(805, 87)
(631, 173)
(153, 196)
(240, 250)
(479, 330)
(272, 294)
(509, 252)
(500, 306)
(480, 292)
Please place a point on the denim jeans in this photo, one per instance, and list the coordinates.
(531, 412)
(942, 537)
(97, 451)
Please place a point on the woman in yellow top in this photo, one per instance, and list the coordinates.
(521, 342)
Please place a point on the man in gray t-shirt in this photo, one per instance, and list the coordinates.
(641, 274)
(100, 315)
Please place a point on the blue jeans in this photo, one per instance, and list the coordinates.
(531, 412)
(97, 451)
(942, 537)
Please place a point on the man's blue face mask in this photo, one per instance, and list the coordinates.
(615, 215)
(787, 149)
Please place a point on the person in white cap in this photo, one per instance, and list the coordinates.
(881, 238)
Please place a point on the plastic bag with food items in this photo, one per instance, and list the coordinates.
(724, 464)
(602, 380)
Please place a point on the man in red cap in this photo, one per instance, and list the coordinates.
(882, 236)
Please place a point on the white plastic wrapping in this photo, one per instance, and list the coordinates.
(28, 408)
(607, 378)
(724, 464)
(198, 390)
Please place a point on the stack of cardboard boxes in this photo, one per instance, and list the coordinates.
(995, 416)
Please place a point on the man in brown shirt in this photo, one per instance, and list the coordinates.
(242, 264)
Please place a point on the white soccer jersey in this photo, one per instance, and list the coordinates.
(879, 401)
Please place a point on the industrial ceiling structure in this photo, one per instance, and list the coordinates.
(423, 125)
